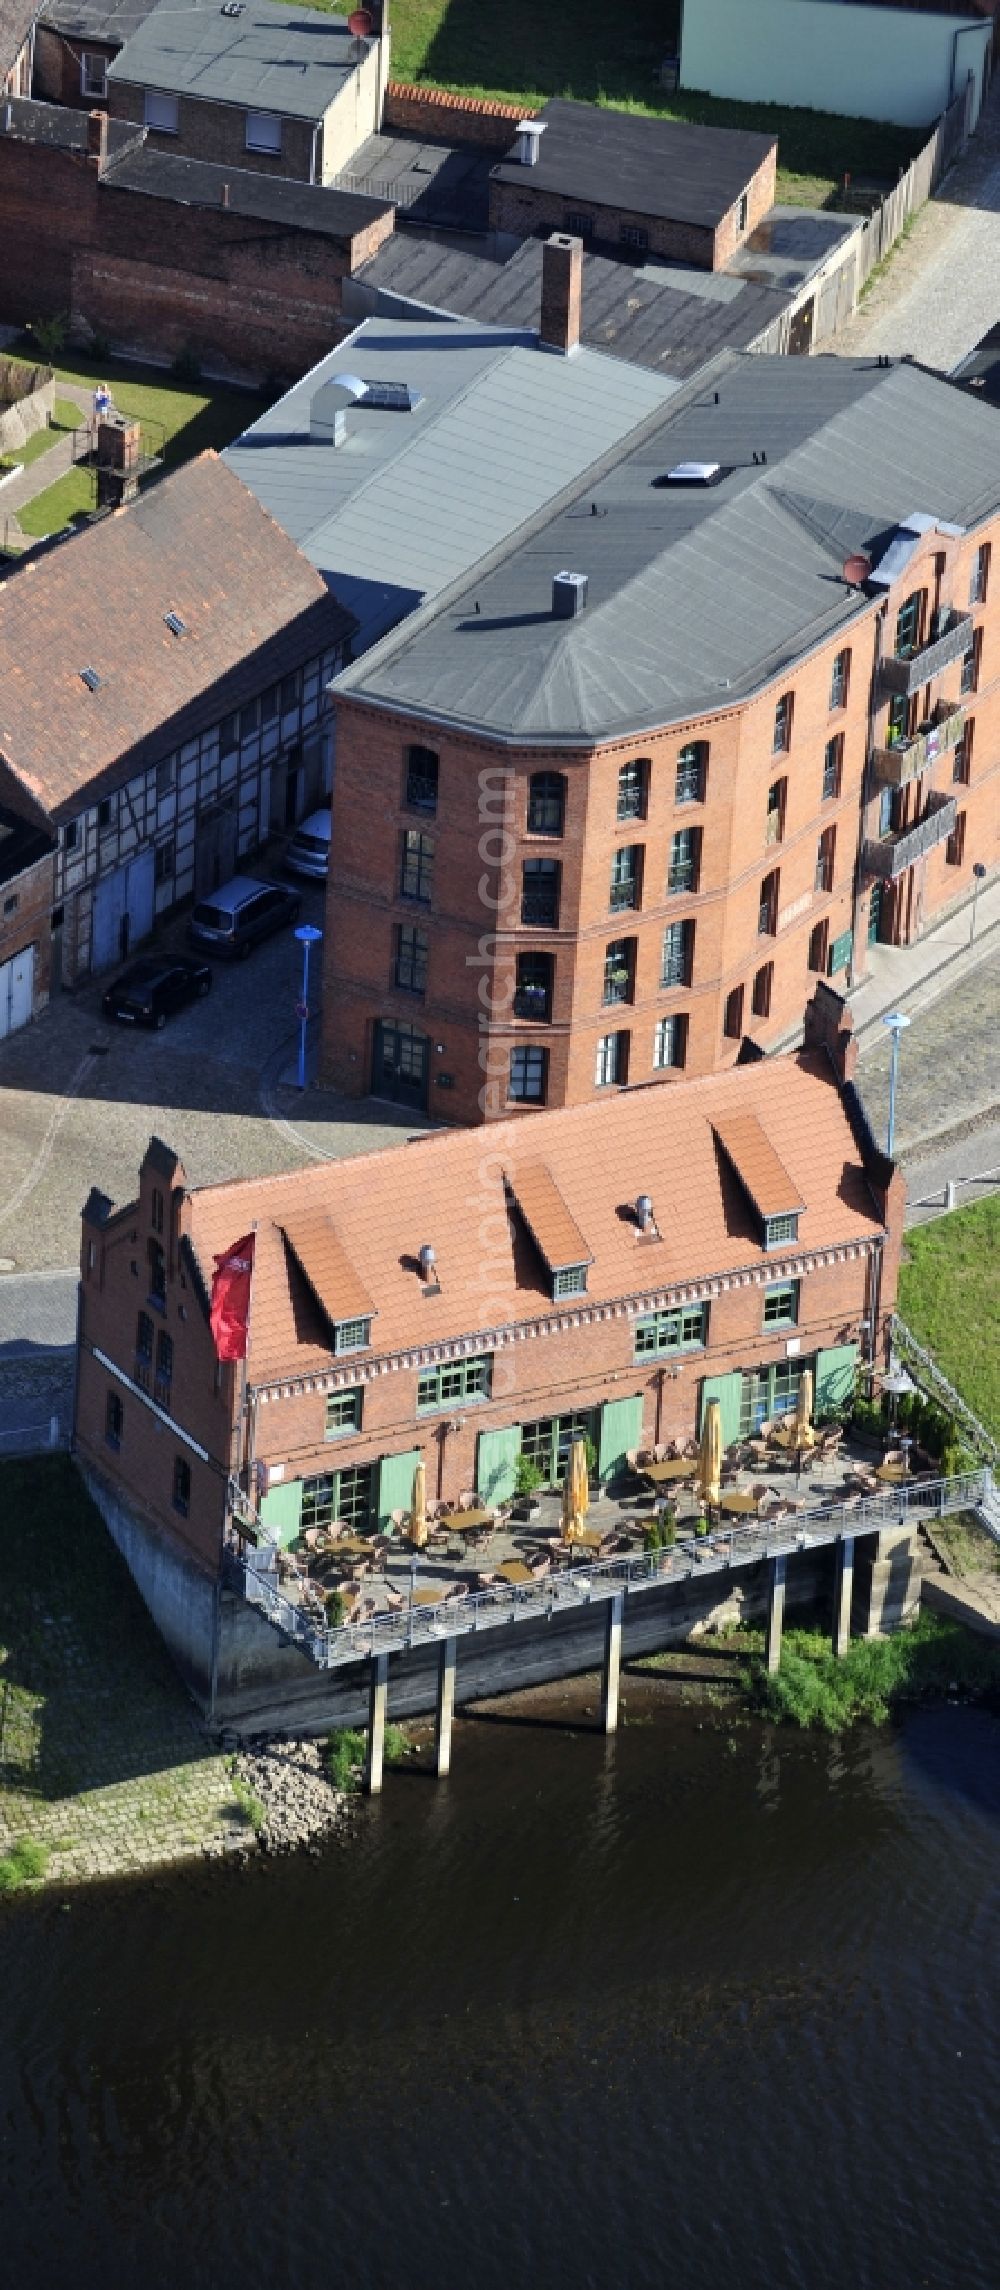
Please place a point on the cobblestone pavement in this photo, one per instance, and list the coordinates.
(81, 1097)
(940, 291)
(949, 1062)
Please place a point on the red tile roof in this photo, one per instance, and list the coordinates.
(449, 1189)
(757, 1165)
(197, 544)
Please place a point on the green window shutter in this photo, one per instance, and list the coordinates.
(395, 1483)
(621, 1429)
(840, 953)
(496, 1463)
(835, 1373)
(728, 1390)
(281, 1511)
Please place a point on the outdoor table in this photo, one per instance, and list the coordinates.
(515, 1571)
(348, 1546)
(892, 1473)
(738, 1502)
(662, 1474)
(587, 1539)
(429, 1597)
(466, 1522)
(794, 1440)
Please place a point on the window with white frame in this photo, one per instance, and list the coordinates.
(264, 133)
(611, 1064)
(670, 1041)
(160, 111)
(93, 75)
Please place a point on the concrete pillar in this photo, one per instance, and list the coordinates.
(445, 1705)
(843, 1591)
(378, 1691)
(612, 1663)
(776, 1569)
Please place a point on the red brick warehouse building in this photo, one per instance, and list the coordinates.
(601, 1274)
(688, 742)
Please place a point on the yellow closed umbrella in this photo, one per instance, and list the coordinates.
(567, 1520)
(418, 1508)
(581, 1480)
(804, 1408)
(710, 1454)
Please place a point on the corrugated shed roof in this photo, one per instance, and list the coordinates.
(443, 1188)
(650, 166)
(698, 595)
(270, 57)
(413, 500)
(197, 544)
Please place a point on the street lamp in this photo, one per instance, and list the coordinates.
(977, 875)
(897, 1025)
(307, 935)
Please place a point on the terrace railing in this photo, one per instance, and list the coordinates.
(580, 1586)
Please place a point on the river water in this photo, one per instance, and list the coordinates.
(711, 2005)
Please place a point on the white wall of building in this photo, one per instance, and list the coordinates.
(867, 63)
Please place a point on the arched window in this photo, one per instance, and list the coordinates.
(546, 803)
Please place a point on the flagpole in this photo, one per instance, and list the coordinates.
(246, 1418)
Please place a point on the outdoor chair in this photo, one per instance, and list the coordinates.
(315, 1538)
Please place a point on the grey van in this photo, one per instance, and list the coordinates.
(308, 852)
(238, 915)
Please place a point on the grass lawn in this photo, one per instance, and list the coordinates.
(520, 53)
(949, 1294)
(66, 416)
(179, 419)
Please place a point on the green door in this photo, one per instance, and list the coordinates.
(835, 1373)
(496, 1463)
(281, 1511)
(728, 1390)
(395, 1484)
(621, 1429)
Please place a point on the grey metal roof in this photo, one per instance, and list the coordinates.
(413, 500)
(664, 317)
(698, 595)
(651, 166)
(269, 198)
(112, 22)
(270, 57)
(16, 19)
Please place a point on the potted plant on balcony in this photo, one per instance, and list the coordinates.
(527, 1480)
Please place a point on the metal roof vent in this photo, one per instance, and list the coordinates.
(644, 1213)
(90, 677)
(529, 136)
(232, 8)
(428, 1259)
(329, 408)
(569, 594)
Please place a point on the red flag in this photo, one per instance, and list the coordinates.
(229, 1317)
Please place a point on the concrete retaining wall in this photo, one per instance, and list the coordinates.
(27, 399)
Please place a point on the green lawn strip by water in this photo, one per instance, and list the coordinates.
(521, 54)
(813, 1687)
(24, 1864)
(949, 1294)
(95, 1728)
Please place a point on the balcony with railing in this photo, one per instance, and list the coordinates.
(895, 766)
(907, 673)
(885, 861)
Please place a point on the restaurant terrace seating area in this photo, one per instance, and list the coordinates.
(440, 1554)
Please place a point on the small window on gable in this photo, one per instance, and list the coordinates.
(264, 133)
(778, 1230)
(421, 779)
(93, 75)
(839, 680)
(979, 578)
(114, 1419)
(570, 1281)
(160, 111)
(742, 212)
(352, 1335)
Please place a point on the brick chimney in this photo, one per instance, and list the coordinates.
(829, 1026)
(562, 290)
(97, 140)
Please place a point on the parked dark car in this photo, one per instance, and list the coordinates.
(240, 913)
(148, 992)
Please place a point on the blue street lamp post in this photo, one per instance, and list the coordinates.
(897, 1024)
(307, 935)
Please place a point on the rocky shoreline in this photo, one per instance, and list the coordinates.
(286, 1794)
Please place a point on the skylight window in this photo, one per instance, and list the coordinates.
(390, 397)
(90, 677)
(693, 473)
(176, 625)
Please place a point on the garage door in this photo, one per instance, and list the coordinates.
(17, 985)
(123, 911)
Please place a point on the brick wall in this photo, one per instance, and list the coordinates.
(431, 112)
(527, 209)
(763, 813)
(150, 274)
(28, 923)
(731, 234)
(57, 73)
(217, 132)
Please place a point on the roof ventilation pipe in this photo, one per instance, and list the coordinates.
(428, 1260)
(644, 1213)
(529, 136)
(329, 408)
(569, 595)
